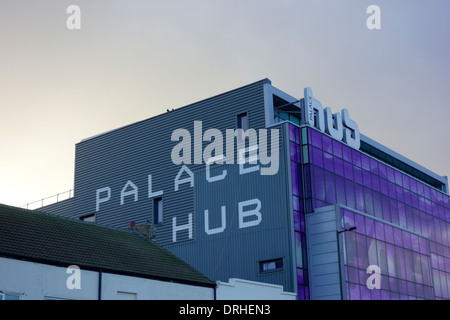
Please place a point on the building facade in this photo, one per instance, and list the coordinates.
(28, 280)
(249, 203)
(49, 257)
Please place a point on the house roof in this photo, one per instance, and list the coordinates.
(42, 237)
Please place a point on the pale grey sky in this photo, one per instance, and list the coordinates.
(133, 59)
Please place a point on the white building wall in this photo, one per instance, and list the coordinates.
(117, 287)
(239, 289)
(36, 281)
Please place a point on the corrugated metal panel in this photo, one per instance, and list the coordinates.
(323, 260)
(63, 208)
(133, 152)
(234, 250)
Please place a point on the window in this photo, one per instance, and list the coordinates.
(88, 218)
(271, 265)
(242, 121)
(285, 110)
(121, 295)
(4, 296)
(157, 210)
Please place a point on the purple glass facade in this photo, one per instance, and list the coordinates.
(403, 258)
(408, 236)
(298, 189)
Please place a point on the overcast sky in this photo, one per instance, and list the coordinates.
(133, 59)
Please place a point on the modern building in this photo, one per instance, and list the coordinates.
(275, 202)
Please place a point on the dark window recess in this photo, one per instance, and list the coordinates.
(271, 265)
(88, 218)
(286, 111)
(157, 210)
(242, 121)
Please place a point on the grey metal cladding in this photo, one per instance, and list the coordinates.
(62, 208)
(234, 249)
(323, 261)
(133, 152)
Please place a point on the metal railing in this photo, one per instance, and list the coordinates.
(49, 200)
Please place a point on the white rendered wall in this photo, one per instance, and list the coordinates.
(36, 281)
(238, 289)
(147, 289)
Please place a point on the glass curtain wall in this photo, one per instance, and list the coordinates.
(411, 225)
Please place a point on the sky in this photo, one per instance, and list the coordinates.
(131, 60)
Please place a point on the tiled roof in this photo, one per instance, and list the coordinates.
(46, 238)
